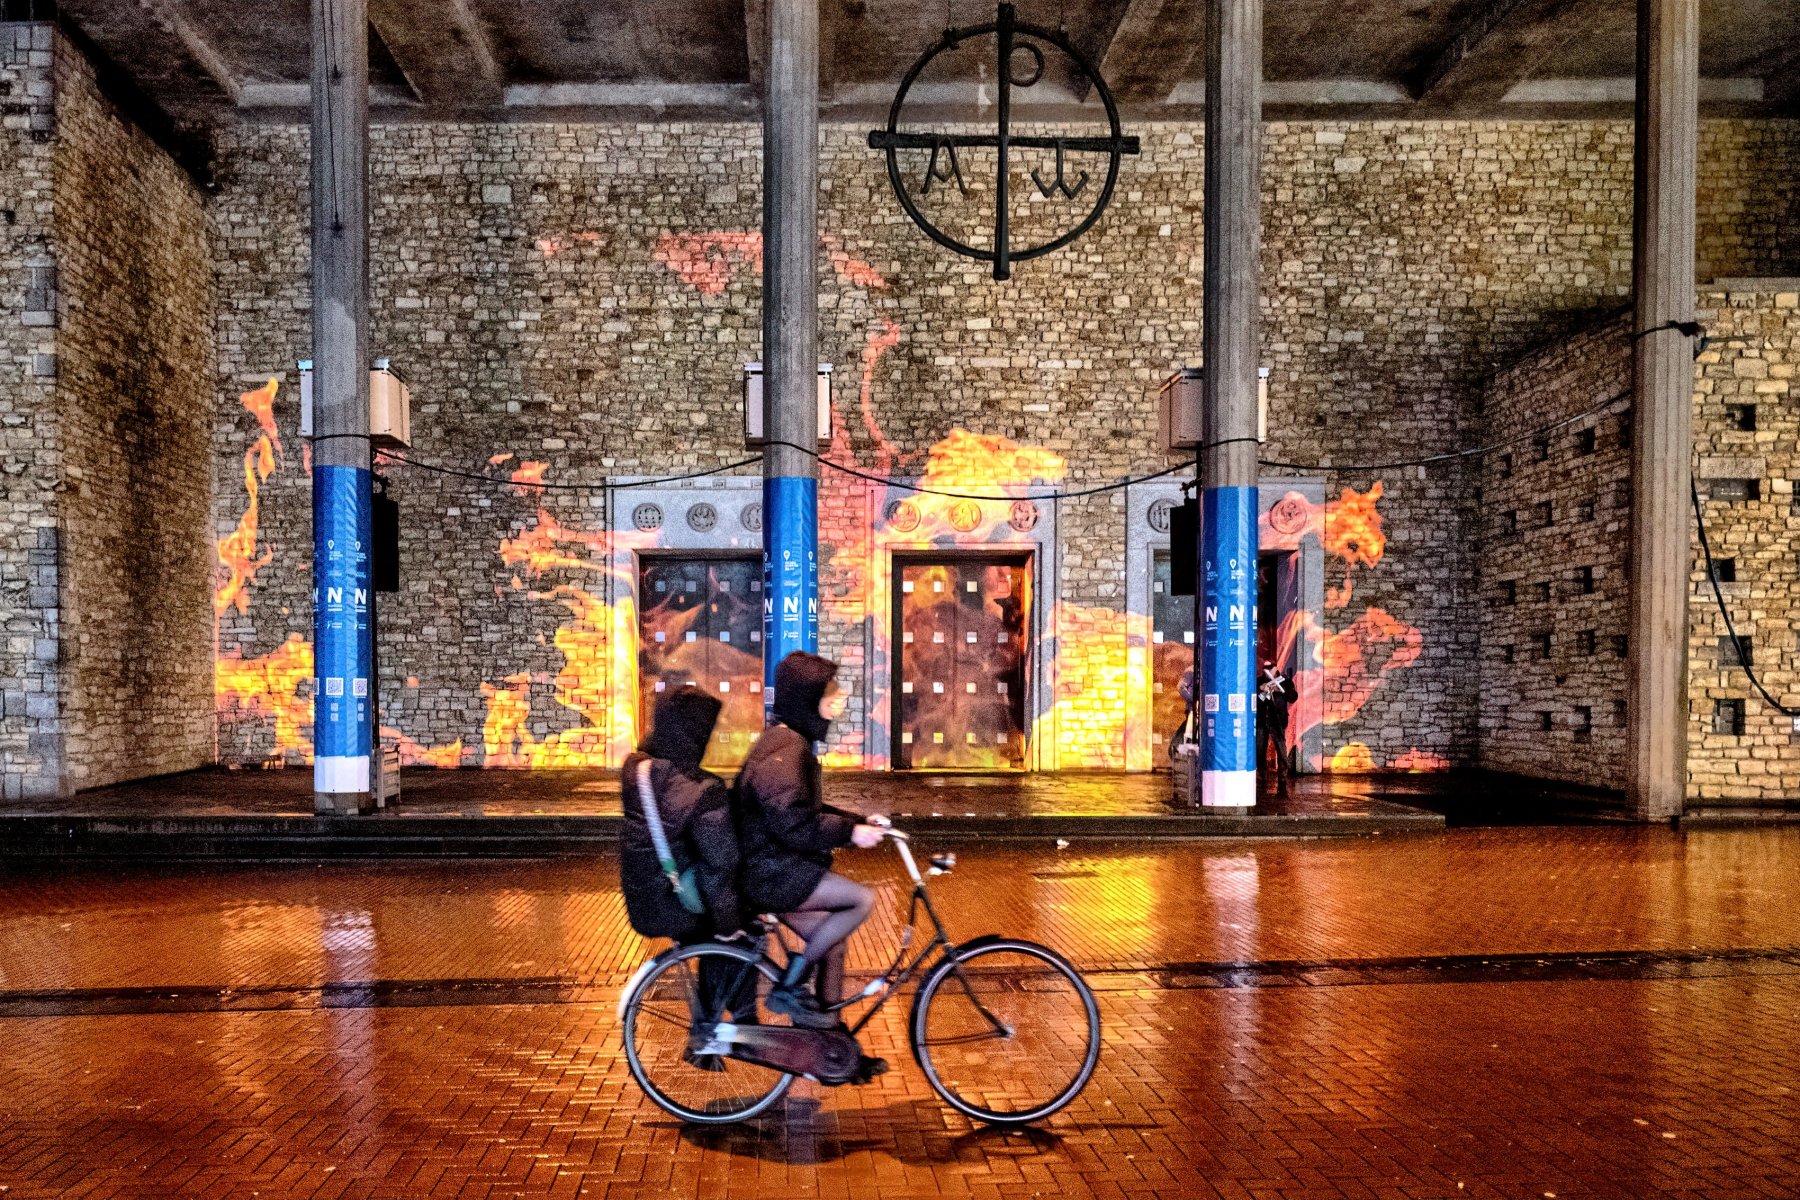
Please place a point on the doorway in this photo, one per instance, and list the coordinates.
(962, 629)
(700, 626)
(1172, 637)
(1172, 655)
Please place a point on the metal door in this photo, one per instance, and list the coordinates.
(701, 627)
(963, 633)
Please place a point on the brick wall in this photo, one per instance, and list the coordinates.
(1746, 376)
(105, 438)
(583, 296)
(1554, 528)
(134, 388)
(31, 750)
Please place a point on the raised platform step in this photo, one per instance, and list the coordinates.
(398, 835)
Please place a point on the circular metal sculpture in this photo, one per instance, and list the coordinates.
(965, 515)
(902, 516)
(1019, 57)
(702, 517)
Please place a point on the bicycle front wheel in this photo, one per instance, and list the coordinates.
(1006, 1031)
(669, 1020)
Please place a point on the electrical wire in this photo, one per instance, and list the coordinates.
(908, 486)
(434, 468)
(1719, 597)
(1434, 459)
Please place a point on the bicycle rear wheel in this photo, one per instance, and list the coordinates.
(1006, 1031)
(669, 1018)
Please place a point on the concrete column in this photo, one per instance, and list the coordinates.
(1668, 77)
(342, 645)
(790, 333)
(1228, 471)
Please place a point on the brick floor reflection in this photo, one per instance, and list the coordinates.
(1247, 1053)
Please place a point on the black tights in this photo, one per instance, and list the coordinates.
(827, 917)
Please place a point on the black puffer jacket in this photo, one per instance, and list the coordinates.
(786, 830)
(696, 813)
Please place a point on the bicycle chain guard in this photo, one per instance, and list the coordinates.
(828, 1055)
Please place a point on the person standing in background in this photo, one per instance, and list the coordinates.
(1275, 694)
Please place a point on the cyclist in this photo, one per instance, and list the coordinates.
(787, 834)
(696, 816)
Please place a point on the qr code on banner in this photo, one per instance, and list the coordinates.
(1212, 702)
(334, 686)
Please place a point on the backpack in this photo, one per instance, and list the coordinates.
(682, 882)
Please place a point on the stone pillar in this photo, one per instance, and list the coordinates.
(1663, 369)
(341, 474)
(790, 334)
(1226, 641)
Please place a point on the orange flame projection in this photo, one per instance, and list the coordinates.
(1357, 659)
(598, 678)
(237, 550)
(270, 688)
(1353, 534)
(708, 261)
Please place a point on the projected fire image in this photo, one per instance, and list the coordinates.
(973, 657)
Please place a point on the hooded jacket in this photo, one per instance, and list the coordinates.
(785, 829)
(696, 814)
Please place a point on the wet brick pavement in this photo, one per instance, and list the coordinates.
(1593, 1012)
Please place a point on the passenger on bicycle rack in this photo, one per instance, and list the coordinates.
(695, 895)
(787, 834)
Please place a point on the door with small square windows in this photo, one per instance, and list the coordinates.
(962, 631)
(701, 627)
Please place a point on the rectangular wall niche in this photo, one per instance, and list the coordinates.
(1290, 589)
(687, 560)
(1007, 547)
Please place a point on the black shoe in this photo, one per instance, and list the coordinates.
(801, 1008)
(868, 1069)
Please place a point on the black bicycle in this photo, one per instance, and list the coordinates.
(1005, 1030)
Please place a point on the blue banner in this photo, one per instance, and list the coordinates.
(341, 643)
(1228, 657)
(790, 572)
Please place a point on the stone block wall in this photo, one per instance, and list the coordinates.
(584, 296)
(1554, 528)
(1747, 432)
(134, 388)
(105, 437)
(32, 762)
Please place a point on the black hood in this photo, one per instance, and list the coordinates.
(680, 727)
(800, 683)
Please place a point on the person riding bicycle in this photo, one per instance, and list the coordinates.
(697, 824)
(787, 834)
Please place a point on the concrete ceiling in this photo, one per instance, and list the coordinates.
(203, 61)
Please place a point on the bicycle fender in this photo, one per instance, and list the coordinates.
(631, 985)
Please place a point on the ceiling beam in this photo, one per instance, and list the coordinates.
(1491, 50)
(168, 55)
(1780, 72)
(1151, 48)
(442, 50)
(756, 44)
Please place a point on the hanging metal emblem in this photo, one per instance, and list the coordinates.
(933, 160)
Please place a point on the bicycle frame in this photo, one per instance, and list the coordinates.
(900, 972)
